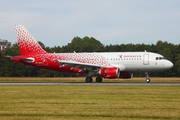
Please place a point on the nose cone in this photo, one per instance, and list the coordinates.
(169, 65)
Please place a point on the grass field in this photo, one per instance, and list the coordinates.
(89, 102)
(82, 79)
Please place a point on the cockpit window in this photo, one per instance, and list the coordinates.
(163, 58)
(160, 58)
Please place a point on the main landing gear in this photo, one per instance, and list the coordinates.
(147, 77)
(89, 79)
(98, 79)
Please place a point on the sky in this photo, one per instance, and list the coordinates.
(57, 22)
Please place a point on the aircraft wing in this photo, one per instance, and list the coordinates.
(76, 64)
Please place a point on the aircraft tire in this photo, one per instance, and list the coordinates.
(148, 80)
(88, 79)
(98, 79)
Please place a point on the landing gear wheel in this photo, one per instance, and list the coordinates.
(148, 80)
(98, 79)
(147, 77)
(88, 79)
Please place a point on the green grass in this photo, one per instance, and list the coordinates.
(89, 102)
(82, 79)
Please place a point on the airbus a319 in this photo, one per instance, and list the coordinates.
(100, 64)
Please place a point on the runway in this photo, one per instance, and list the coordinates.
(94, 84)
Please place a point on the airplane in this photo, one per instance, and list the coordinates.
(100, 64)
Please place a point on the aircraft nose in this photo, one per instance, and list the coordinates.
(169, 65)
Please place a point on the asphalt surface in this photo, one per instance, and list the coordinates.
(90, 84)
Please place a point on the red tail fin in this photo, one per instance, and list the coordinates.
(27, 44)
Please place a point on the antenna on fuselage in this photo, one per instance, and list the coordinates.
(145, 51)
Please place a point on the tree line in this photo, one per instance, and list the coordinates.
(9, 68)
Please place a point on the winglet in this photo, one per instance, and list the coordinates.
(26, 42)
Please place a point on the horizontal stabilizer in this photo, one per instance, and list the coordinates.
(21, 58)
(28, 60)
(8, 56)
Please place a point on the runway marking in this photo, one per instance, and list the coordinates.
(104, 83)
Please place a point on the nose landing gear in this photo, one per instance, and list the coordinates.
(148, 80)
(147, 77)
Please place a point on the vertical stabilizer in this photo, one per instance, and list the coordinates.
(27, 44)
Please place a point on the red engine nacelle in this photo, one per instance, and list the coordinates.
(125, 75)
(109, 72)
(114, 73)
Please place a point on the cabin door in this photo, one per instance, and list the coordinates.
(146, 59)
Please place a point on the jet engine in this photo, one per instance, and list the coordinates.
(114, 73)
(109, 72)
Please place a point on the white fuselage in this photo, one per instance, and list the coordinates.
(125, 61)
(138, 61)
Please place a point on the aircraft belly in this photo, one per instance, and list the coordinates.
(130, 67)
(140, 68)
